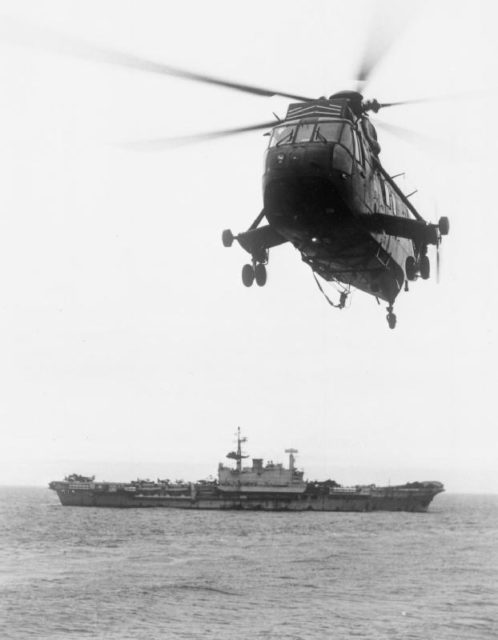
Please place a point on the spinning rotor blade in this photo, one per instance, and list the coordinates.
(413, 101)
(467, 95)
(371, 59)
(413, 137)
(31, 36)
(386, 26)
(168, 143)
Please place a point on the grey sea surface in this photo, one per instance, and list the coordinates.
(71, 573)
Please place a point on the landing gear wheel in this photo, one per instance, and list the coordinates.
(227, 238)
(444, 226)
(411, 268)
(425, 267)
(391, 320)
(260, 274)
(248, 275)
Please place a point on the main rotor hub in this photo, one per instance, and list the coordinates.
(371, 105)
(354, 98)
(357, 104)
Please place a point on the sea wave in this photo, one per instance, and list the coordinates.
(71, 574)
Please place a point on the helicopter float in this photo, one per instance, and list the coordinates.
(325, 190)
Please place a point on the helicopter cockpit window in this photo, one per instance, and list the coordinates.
(343, 151)
(304, 132)
(282, 135)
(342, 160)
(328, 131)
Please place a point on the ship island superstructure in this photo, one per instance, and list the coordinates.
(259, 487)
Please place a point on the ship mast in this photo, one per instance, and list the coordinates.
(238, 455)
(239, 450)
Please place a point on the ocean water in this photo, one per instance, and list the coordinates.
(71, 573)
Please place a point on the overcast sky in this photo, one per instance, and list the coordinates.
(128, 344)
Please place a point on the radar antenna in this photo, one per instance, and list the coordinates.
(291, 453)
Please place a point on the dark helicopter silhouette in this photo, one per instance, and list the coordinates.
(325, 190)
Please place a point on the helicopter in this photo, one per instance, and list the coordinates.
(325, 190)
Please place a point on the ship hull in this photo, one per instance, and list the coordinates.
(386, 499)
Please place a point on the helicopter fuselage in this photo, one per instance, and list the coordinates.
(322, 176)
(326, 192)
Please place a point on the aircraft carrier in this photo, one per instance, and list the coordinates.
(259, 487)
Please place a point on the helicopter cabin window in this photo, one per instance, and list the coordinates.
(385, 193)
(304, 132)
(389, 198)
(328, 131)
(282, 135)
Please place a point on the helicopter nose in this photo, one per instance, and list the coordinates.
(306, 196)
(302, 181)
